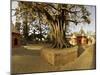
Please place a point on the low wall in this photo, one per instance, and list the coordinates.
(59, 57)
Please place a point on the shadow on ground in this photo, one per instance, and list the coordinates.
(80, 50)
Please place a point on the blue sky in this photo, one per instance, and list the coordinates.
(87, 27)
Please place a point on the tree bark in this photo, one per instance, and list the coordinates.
(58, 36)
(25, 28)
(58, 32)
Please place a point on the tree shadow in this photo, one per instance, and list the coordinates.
(80, 50)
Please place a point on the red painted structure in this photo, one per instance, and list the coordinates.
(82, 40)
(16, 39)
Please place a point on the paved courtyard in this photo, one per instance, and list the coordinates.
(27, 59)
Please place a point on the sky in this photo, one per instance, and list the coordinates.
(86, 27)
(14, 5)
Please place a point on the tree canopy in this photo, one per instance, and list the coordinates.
(56, 17)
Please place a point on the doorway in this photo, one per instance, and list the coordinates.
(15, 42)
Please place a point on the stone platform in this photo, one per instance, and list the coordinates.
(59, 57)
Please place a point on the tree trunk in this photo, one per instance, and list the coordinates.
(25, 28)
(58, 31)
(40, 29)
(58, 36)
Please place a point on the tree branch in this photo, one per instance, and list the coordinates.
(74, 21)
(64, 9)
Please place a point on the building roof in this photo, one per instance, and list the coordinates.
(82, 31)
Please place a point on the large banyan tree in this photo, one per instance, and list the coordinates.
(58, 17)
